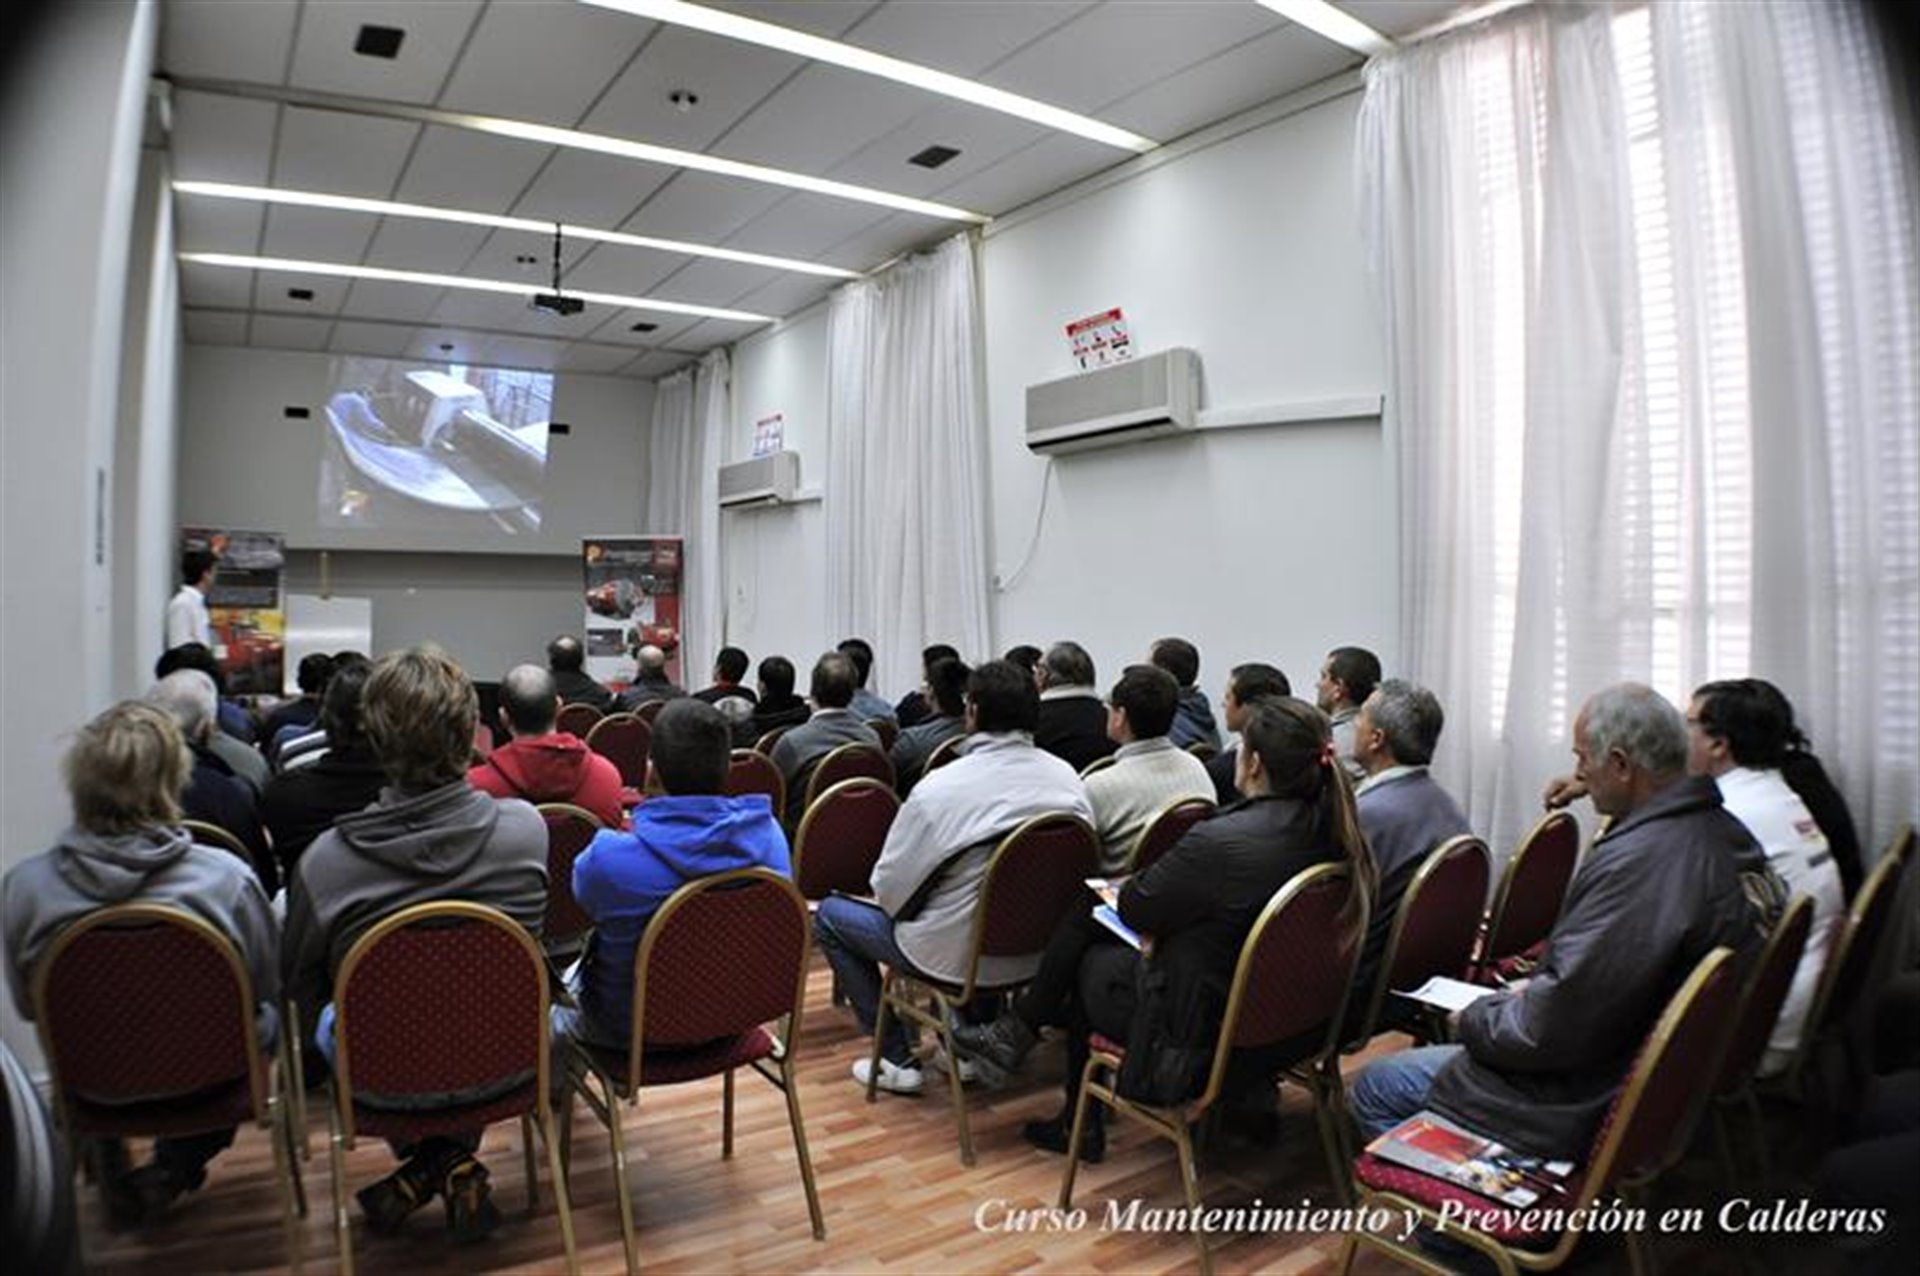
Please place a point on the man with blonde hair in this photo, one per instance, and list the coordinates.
(429, 837)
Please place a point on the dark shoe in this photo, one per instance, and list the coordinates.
(1051, 1136)
(471, 1213)
(1003, 1043)
(387, 1204)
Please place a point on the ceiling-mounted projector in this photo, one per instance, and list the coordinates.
(557, 304)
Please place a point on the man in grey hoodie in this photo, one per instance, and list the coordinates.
(430, 836)
(126, 771)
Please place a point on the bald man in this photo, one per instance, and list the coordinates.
(539, 763)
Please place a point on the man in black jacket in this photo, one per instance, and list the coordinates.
(567, 660)
(1539, 1063)
(1073, 720)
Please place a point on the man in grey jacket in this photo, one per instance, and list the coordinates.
(1539, 1063)
(799, 750)
(429, 837)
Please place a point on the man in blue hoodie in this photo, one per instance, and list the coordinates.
(695, 831)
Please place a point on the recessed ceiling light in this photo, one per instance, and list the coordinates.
(429, 212)
(446, 347)
(300, 294)
(644, 326)
(933, 156)
(379, 42)
(342, 270)
(1336, 25)
(734, 26)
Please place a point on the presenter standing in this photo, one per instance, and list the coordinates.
(187, 618)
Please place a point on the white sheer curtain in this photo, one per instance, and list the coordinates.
(905, 498)
(1651, 302)
(685, 447)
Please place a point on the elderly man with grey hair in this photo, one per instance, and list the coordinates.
(215, 795)
(1539, 1062)
(1073, 719)
(650, 681)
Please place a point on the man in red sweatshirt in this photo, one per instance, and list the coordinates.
(540, 764)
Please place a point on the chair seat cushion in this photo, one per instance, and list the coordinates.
(217, 1109)
(1106, 1045)
(1500, 1221)
(408, 1126)
(668, 1067)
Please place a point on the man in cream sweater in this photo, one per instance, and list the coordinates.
(1148, 773)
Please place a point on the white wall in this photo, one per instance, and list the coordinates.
(244, 463)
(69, 167)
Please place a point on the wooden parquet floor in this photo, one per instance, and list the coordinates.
(895, 1195)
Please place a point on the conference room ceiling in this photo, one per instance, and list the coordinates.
(271, 94)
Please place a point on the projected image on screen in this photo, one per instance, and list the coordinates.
(430, 446)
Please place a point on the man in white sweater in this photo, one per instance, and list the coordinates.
(1148, 773)
(1737, 734)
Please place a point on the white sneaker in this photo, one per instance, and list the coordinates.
(895, 1078)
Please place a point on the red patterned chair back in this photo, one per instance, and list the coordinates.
(205, 834)
(723, 956)
(1765, 993)
(848, 762)
(648, 710)
(441, 998)
(576, 719)
(752, 771)
(569, 829)
(1851, 958)
(888, 730)
(768, 739)
(1651, 1119)
(1164, 830)
(1435, 929)
(1033, 877)
(840, 837)
(623, 739)
(145, 1001)
(944, 752)
(1533, 887)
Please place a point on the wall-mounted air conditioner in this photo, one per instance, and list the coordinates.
(1152, 395)
(764, 480)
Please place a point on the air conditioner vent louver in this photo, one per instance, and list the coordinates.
(764, 480)
(1142, 398)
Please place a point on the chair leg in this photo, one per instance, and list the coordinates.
(791, 1085)
(287, 1169)
(295, 1045)
(1325, 1118)
(944, 1013)
(880, 1017)
(1723, 1144)
(726, 1116)
(1760, 1154)
(1349, 1249)
(1073, 1139)
(562, 1205)
(1191, 1180)
(342, 1229)
(617, 1136)
(533, 1177)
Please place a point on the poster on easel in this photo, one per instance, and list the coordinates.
(246, 606)
(632, 600)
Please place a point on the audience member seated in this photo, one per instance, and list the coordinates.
(1026, 655)
(1737, 735)
(567, 662)
(778, 706)
(832, 725)
(431, 836)
(915, 707)
(301, 804)
(866, 705)
(539, 763)
(1148, 773)
(927, 881)
(125, 772)
(233, 740)
(1802, 770)
(1403, 811)
(650, 681)
(1245, 684)
(946, 689)
(623, 878)
(1539, 1062)
(735, 701)
(1196, 904)
(1073, 722)
(306, 750)
(214, 794)
(1193, 722)
(1347, 678)
(302, 713)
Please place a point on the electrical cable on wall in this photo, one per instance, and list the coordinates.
(1005, 581)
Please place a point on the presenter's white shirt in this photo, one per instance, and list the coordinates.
(187, 619)
(1798, 851)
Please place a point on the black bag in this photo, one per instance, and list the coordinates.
(1169, 1041)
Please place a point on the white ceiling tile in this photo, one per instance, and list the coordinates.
(271, 289)
(1056, 161)
(727, 76)
(498, 257)
(217, 286)
(1400, 17)
(317, 234)
(290, 332)
(204, 225)
(466, 347)
(1230, 82)
(885, 239)
(632, 272)
(221, 40)
(964, 39)
(592, 44)
(215, 328)
(709, 333)
(524, 352)
(458, 168)
(324, 60)
(707, 282)
(444, 248)
(581, 357)
(982, 137)
(820, 117)
(618, 329)
(341, 154)
(395, 302)
(803, 226)
(656, 363)
(785, 295)
(389, 340)
(459, 309)
(541, 323)
(222, 139)
(702, 208)
(591, 190)
(830, 18)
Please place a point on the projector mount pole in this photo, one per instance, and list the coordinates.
(556, 259)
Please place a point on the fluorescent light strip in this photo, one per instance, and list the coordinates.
(507, 287)
(773, 36)
(1335, 24)
(429, 212)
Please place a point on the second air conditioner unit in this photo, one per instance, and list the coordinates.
(1142, 398)
(763, 480)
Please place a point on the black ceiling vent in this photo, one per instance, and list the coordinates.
(300, 294)
(379, 42)
(933, 156)
(643, 326)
